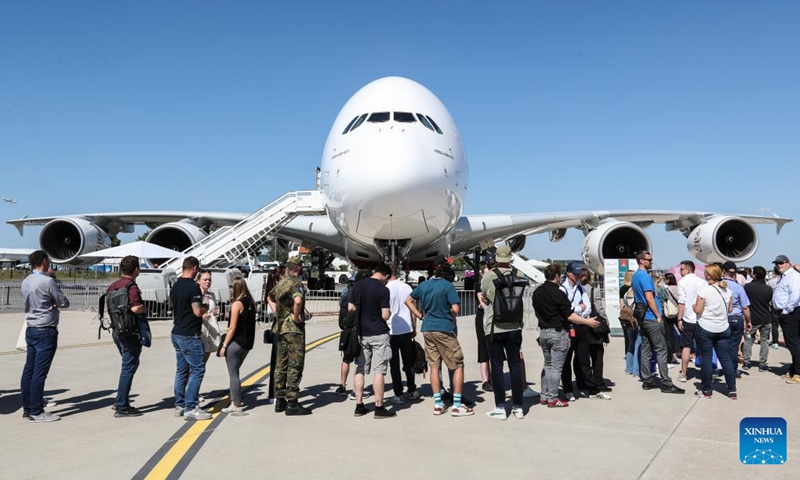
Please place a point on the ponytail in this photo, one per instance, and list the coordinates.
(723, 284)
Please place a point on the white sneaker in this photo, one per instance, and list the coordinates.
(518, 413)
(529, 393)
(179, 411)
(201, 399)
(397, 400)
(364, 395)
(232, 409)
(196, 414)
(415, 395)
(49, 402)
(682, 378)
(497, 413)
(602, 396)
(44, 417)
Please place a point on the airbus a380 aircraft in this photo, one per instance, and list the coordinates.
(394, 176)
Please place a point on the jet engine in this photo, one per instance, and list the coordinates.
(517, 243)
(723, 239)
(65, 239)
(613, 240)
(177, 236)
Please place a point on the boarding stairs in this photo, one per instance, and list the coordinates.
(529, 270)
(234, 242)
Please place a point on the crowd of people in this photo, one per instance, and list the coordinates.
(716, 320)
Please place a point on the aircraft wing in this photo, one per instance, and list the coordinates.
(471, 230)
(20, 254)
(114, 221)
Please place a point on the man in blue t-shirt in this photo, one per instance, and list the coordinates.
(652, 327)
(439, 301)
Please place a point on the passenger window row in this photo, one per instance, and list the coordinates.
(399, 117)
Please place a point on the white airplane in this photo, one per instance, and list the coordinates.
(394, 176)
(9, 200)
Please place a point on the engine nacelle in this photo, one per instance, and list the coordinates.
(177, 236)
(613, 240)
(723, 239)
(517, 243)
(66, 239)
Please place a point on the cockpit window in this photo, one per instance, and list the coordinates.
(404, 117)
(347, 128)
(378, 117)
(425, 122)
(359, 122)
(438, 130)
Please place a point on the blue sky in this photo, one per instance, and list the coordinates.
(223, 106)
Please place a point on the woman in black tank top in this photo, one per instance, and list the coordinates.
(239, 340)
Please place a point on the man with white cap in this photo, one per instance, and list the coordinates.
(786, 302)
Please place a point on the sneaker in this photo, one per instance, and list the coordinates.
(415, 395)
(49, 402)
(341, 391)
(497, 414)
(746, 365)
(794, 380)
(557, 403)
(542, 401)
(487, 386)
(179, 411)
(682, 378)
(361, 410)
(648, 385)
(397, 400)
(701, 394)
(763, 368)
(232, 409)
(44, 417)
(26, 416)
(465, 411)
(129, 412)
(381, 412)
(773, 346)
(530, 393)
(196, 414)
(786, 376)
(733, 396)
(570, 397)
(601, 396)
(364, 395)
(605, 388)
(672, 389)
(201, 399)
(518, 412)
(438, 409)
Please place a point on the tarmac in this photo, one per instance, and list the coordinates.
(637, 434)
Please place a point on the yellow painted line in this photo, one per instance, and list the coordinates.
(78, 345)
(167, 464)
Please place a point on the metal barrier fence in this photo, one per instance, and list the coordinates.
(320, 303)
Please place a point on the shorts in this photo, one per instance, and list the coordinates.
(443, 346)
(374, 349)
(688, 334)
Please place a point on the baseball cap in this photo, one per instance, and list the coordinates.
(439, 260)
(574, 267)
(781, 259)
(729, 267)
(503, 254)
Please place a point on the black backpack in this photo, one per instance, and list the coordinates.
(122, 319)
(507, 305)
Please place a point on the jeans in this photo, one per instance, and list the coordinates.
(402, 346)
(42, 344)
(653, 341)
(790, 324)
(130, 348)
(634, 340)
(736, 323)
(554, 345)
(765, 337)
(706, 341)
(189, 353)
(506, 344)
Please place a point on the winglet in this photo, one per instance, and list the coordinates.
(21, 225)
(779, 223)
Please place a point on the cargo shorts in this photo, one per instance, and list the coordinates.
(375, 350)
(441, 346)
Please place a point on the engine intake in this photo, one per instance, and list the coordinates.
(613, 240)
(723, 239)
(177, 236)
(66, 239)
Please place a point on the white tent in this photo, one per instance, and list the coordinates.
(141, 249)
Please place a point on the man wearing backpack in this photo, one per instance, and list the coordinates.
(128, 343)
(502, 323)
(579, 346)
